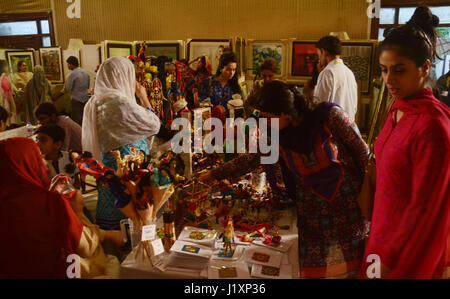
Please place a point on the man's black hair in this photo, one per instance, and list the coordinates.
(53, 131)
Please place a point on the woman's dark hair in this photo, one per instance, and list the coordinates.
(225, 59)
(416, 39)
(276, 98)
(269, 64)
(330, 43)
(203, 69)
(20, 63)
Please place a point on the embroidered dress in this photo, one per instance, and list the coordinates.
(410, 222)
(330, 224)
(219, 95)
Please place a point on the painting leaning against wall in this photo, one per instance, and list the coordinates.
(51, 61)
(359, 57)
(14, 57)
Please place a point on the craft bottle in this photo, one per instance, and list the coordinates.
(169, 229)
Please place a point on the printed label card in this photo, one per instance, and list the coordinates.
(148, 232)
(283, 272)
(191, 249)
(157, 247)
(282, 246)
(228, 270)
(263, 256)
(197, 235)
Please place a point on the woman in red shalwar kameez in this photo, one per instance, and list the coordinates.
(410, 222)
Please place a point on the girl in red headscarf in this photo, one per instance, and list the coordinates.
(41, 228)
(410, 223)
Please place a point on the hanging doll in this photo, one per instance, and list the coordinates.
(157, 97)
(88, 165)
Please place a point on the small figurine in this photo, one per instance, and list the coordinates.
(160, 177)
(173, 170)
(122, 165)
(226, 189)
(228, 237)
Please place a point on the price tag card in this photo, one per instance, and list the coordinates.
(148, 232)
(157, 247)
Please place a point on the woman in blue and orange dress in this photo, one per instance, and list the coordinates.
(113, 121)
(327, 155)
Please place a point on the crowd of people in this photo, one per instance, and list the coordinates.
(322, 164)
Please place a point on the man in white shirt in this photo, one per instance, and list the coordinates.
(336, 82)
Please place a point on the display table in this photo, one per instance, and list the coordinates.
(17, 132)
(131, 269)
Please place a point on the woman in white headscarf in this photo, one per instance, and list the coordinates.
(114, 121)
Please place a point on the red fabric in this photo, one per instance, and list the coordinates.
(6, 86)
(410, 222)
(38, 228)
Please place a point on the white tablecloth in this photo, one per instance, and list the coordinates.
(17, 132)
(131, 269)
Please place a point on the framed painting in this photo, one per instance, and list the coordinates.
(358, 56)
(51, 61)
(303, 58)
(170, 48)
(257, 51)
(116, 48)
(14, 57)
(213, 48)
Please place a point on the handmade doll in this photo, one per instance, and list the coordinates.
(122, 165)
(228, 237)
(137, 157)
(174, 171)
(88, 165)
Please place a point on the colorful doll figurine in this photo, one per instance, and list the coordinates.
(122, 165)
(226, 189)
(164, 177)
(173, 171)
(228, 237)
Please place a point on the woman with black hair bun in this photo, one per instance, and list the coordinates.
(410, 223)
(221, 87)
(325, 152)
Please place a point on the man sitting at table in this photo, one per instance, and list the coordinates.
(46, 114)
